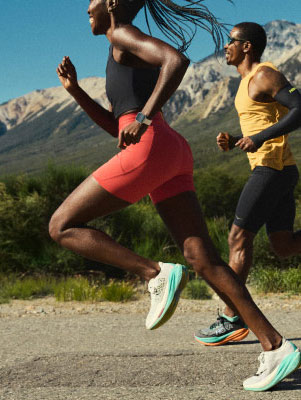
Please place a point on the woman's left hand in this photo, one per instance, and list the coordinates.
(131, 134)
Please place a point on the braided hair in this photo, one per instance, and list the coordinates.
(179, 23)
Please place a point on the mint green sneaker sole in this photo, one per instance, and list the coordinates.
(177, 283)
(290, 364)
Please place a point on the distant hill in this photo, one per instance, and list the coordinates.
(48, 124)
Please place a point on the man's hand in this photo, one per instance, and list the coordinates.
(131, 134)
(246, 144)
(67, 74)
(222, 141)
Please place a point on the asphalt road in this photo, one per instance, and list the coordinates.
(112, 356)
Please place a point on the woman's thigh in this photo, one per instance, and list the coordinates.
(87, 202)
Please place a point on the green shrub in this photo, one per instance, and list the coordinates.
(118, 291)
(77, 289)
(196, 289)
(217, 192)
(26, 205)
(26, 288)
(219, 230)
(80, 289)
(275, 280)
(140, 228)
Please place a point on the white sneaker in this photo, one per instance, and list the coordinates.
(165, 291)
(274, 366)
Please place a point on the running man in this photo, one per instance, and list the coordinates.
(142, 74)
(269, 108)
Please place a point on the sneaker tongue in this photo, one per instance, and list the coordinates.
(230, 319)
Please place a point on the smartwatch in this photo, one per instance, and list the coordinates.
(142, 119)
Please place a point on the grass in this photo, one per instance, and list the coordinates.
(264, 280)
(275, 280)
(77, 289)
(196, 289)
(118, 291)
(27, 288)
(69, 289)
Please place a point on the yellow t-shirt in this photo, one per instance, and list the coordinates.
(254, 117)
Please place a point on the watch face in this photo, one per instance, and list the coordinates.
(140, 118)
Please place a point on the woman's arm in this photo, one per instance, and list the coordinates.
(102, 117)
(152, 53)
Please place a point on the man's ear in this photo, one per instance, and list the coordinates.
(112, 5)
(247, 46)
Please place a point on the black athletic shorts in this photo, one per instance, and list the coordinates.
(268, 198)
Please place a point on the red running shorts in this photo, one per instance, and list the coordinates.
(160, 165)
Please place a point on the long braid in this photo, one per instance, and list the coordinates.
(180, 22)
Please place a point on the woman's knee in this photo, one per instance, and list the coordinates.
(55, 227)
(202, 257)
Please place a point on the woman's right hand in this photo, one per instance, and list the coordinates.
(67, 74)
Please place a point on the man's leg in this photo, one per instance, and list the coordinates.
(240, 255)
(280, 224)
(286, 243)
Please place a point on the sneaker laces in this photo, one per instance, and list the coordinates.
(219, 321)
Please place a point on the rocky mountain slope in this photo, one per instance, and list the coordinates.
(48, 124)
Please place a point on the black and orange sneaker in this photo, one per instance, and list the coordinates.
(224, 329)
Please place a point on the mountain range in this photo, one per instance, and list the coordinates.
(48, 125)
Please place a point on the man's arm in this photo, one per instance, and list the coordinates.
(269, 85)
(289, 97)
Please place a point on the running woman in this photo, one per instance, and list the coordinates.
(142, 74)
(269, 108)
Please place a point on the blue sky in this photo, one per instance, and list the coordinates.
(36, 34)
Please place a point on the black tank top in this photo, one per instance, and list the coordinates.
(128, 88)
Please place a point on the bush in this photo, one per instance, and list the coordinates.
(140, 228)
(217, 192)
(219, 230)
(196, 289)
(118, 291)
(26, 204)
(77, 289)
(26, 288)
(275, 280)
(80, 289)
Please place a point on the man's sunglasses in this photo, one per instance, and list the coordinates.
(232, 40)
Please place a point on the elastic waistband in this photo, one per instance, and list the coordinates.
(262, 169)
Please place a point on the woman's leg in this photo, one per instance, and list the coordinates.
(68, 227)
(182, 215)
